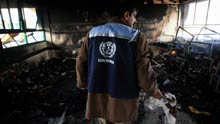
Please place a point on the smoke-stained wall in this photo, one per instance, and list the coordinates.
(66, 27)
(69, 26)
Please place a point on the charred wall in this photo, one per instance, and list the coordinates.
(31, 54)
(69, 26)
(66, 27)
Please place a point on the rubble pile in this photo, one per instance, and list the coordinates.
(43, 95)
(188, 78)
(48, 94)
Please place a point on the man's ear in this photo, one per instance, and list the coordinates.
(126, 15)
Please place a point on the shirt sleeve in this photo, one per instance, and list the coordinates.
(82, 64)
(145, 73)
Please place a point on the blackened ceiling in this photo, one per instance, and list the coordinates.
(72, 3)
(95, 3)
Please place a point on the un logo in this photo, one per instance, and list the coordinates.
(107, 49)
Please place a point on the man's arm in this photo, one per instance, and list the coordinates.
(82, 65)
(145, 73)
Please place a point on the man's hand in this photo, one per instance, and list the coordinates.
(158, 94)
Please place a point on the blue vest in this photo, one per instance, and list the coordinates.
(112, 60)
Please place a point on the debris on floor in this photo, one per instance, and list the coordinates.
(48, 94)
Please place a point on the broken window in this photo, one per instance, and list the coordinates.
(199, 14)
(19, 26)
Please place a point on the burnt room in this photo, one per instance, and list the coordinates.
(41, 39)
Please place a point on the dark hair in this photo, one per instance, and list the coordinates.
(121, 7)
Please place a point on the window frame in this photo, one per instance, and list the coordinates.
(22, 27)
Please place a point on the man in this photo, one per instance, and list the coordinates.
(113, 65)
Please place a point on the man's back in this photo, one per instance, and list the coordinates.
(112, 63)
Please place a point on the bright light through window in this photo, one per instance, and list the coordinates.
(13, 21)
(190, 14)
(213, 17)
(31, 18)
(6, 17)
(201, 12)
(15, 18)
(204, 23)
(35, 36)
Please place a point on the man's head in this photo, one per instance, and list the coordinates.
(127, 11)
